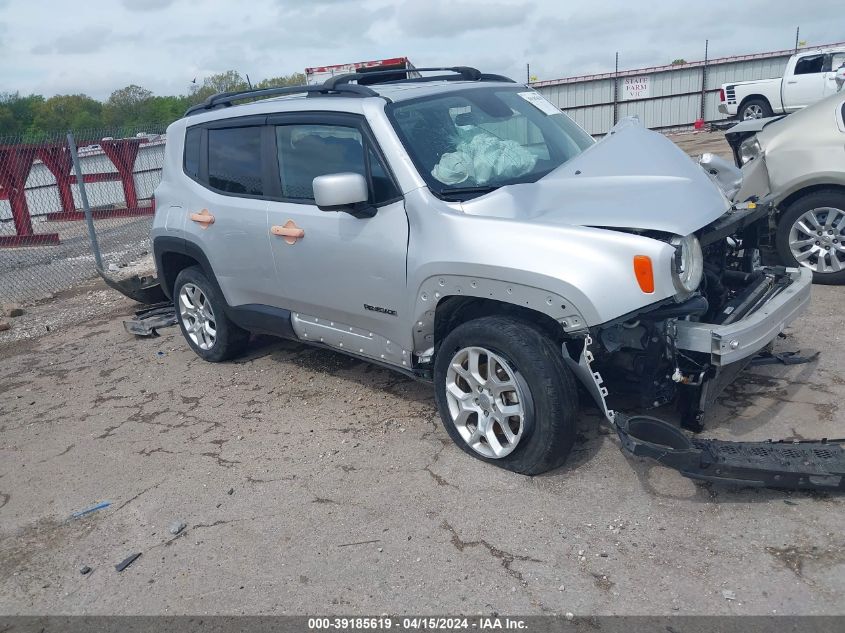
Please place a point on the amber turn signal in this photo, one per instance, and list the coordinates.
(644, 273)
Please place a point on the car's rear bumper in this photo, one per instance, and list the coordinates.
(736, 341)
(723, 108)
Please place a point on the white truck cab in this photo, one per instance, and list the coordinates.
(809, 77)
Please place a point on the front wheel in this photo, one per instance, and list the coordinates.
(811, 233)
(505, 396)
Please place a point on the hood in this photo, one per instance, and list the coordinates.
(751, 126)
(632, 178)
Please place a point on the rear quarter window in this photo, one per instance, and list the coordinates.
(191, 162)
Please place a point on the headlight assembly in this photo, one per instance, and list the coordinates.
(749, 150)
(688, 264)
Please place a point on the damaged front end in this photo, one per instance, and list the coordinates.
(686, 351)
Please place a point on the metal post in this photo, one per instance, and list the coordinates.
(797, 33)
(616, 91)
(704, 78)
(528, 73)
(83, 195)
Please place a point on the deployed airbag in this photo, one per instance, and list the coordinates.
(481, 157)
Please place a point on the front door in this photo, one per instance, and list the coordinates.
(344, 278)
(806, 84)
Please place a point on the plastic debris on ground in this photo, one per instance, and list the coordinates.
(89, 510)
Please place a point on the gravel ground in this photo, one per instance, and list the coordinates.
(310, 482)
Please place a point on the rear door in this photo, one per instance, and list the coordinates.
(345, 274)
(227, 208)
(806, 84)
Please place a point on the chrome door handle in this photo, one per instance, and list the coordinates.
(289, 231)
(792, 82)
(203, 218)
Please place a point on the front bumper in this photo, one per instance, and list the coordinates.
(728, 344)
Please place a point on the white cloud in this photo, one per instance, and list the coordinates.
(147, 5)
(163, 44)
(442, 18)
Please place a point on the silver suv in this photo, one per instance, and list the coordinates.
(460, 229)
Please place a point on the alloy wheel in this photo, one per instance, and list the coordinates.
(752, 111)
(816, 240)
(487, 401)
(197, 316)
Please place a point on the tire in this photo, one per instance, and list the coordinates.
(813, 211)
(201, 312)
(525, 358)
(757, 108)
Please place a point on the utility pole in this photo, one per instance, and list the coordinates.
(616, 91)
(797, 32)
(527, 73)
(704, 78)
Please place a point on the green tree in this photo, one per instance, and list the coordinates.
(165, 110)
(127, 106)
(228, 81)
(66, 112)
(17, 113)
(679, 61)
(295, 79)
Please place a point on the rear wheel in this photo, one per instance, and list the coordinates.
(505, 396)
(755, 109)
(811, 233)
(203, 320)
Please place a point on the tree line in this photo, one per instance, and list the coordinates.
(127, 111)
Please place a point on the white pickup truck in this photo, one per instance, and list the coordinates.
(810, 76)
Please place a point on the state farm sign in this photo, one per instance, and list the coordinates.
(636, 88)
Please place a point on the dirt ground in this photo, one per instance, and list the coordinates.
(310, 482)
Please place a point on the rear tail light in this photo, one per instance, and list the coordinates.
(722, 95)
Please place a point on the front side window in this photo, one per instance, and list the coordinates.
(469, 142)
(234, 160)
(809, 65)
(309, 150)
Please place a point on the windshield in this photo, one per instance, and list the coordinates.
(466, 143)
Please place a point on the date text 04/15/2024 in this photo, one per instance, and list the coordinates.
(415, 623)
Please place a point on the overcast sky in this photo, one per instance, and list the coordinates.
(96, 46)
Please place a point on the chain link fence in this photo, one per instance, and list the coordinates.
(45, 245)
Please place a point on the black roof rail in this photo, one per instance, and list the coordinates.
(226, 99)
(461, 73)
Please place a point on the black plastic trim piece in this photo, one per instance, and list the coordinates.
(226, 99)
(465, 73)
(263, 319)
(166, 244)
(804, 465)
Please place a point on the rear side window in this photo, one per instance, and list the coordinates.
(192, 152)
(234, 160)
(809, 65)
